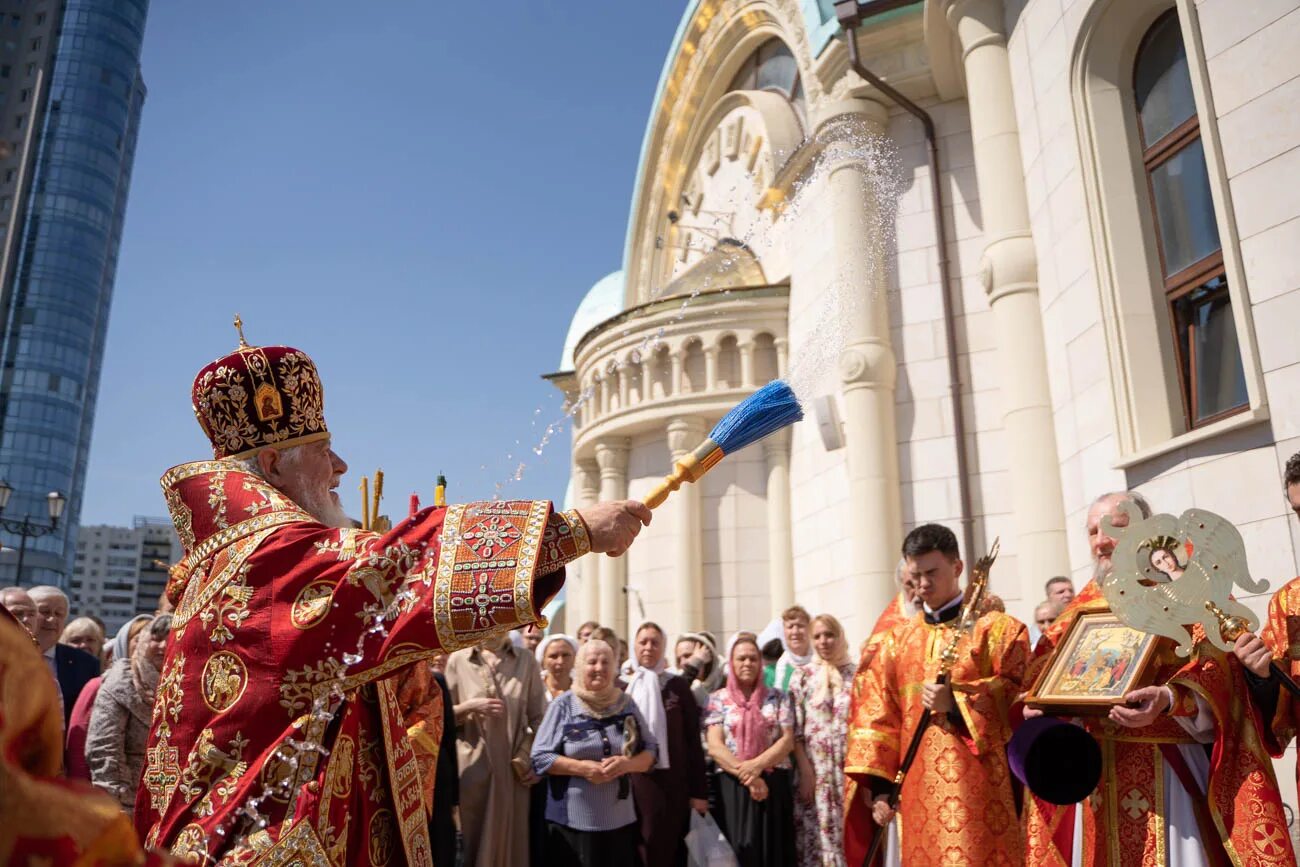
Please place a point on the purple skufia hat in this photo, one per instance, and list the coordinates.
(1056, 760)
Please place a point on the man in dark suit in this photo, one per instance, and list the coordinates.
(72, 668)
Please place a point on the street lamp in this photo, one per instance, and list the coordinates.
(26, 528)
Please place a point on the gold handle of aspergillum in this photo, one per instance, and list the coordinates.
(689, 468)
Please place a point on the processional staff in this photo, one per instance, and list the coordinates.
(970, 612)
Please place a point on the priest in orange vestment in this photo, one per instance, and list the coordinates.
(1186, 780)
(956, 805)
(280, 730)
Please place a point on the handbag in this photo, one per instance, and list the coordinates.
(705, 844)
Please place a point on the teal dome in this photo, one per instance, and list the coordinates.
(602, 301)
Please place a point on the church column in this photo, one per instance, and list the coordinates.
(678, 380)
(624, 386)
(780, 546)
(611, 456)
(1010, 273)
(586, 602)
(710, 368)
(867, 367)
(685, 434)
(747, 364)
(782, 345)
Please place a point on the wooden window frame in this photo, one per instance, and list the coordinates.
(1191, 278)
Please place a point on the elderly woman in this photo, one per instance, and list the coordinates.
(119, 722)
(555, 655)
(665, 796)
(592, 738)
(84, 634)
(819, 695)
(750, 733)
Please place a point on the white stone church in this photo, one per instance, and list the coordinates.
(1115, 302)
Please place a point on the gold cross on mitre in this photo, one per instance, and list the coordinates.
(239, 326)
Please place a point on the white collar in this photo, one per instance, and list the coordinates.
(956, 600)
(49, 654)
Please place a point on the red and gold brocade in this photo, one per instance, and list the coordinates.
(858, 834)
(1124, 822)
(1281, 632)
(956, 806)
(289, 636)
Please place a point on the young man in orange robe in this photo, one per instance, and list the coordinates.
(1185, 779)
(956, 806)
(279, 733)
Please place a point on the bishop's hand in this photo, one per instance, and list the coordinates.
(1253, 653)
(613, 525)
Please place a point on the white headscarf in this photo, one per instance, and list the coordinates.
(643, 689)
(540, 652)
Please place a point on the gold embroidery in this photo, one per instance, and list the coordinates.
(162, 773)
(224, 678)
(210, 768)
(368, 768)
(170, 696)
(312, 604)
(230, 614)
(297, 689)
(181, 517)
(191, 843)
(299, 378)
(297, 847)
(217, 498)
(199, 593)
(382, 833)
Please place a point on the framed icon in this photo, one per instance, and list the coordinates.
(1095, 666)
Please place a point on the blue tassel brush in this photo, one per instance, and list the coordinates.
(762, 414)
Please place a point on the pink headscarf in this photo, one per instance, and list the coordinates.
(750, 730)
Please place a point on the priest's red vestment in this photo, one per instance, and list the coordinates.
(1125, 818)
(278, 734)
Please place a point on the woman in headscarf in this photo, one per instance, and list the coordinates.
(819, 695)
(592, 738)
(665, 796)
(119, 723)
(555, 655)
(79, 722)
(697, 654)
(750, 733)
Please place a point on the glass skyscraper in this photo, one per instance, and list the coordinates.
(70, 100)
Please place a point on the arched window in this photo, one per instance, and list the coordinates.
(1211, 378)
(771, 67)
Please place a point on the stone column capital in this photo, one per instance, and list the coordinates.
(976, 22)
(868, 363)
(611, 457)
(776, 447)
(834, 119)
(684, 434)
(586, 478)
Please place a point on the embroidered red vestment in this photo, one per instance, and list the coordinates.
(1281, 632)
(278, 733)
(858, 833)
(1124, 821)
(956, 806)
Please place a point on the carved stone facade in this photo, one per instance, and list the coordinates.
(755, 208)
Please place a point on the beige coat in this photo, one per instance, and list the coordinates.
(493, 802)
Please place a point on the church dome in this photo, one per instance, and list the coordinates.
(602, 301)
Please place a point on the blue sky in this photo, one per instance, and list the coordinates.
(418, 195)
